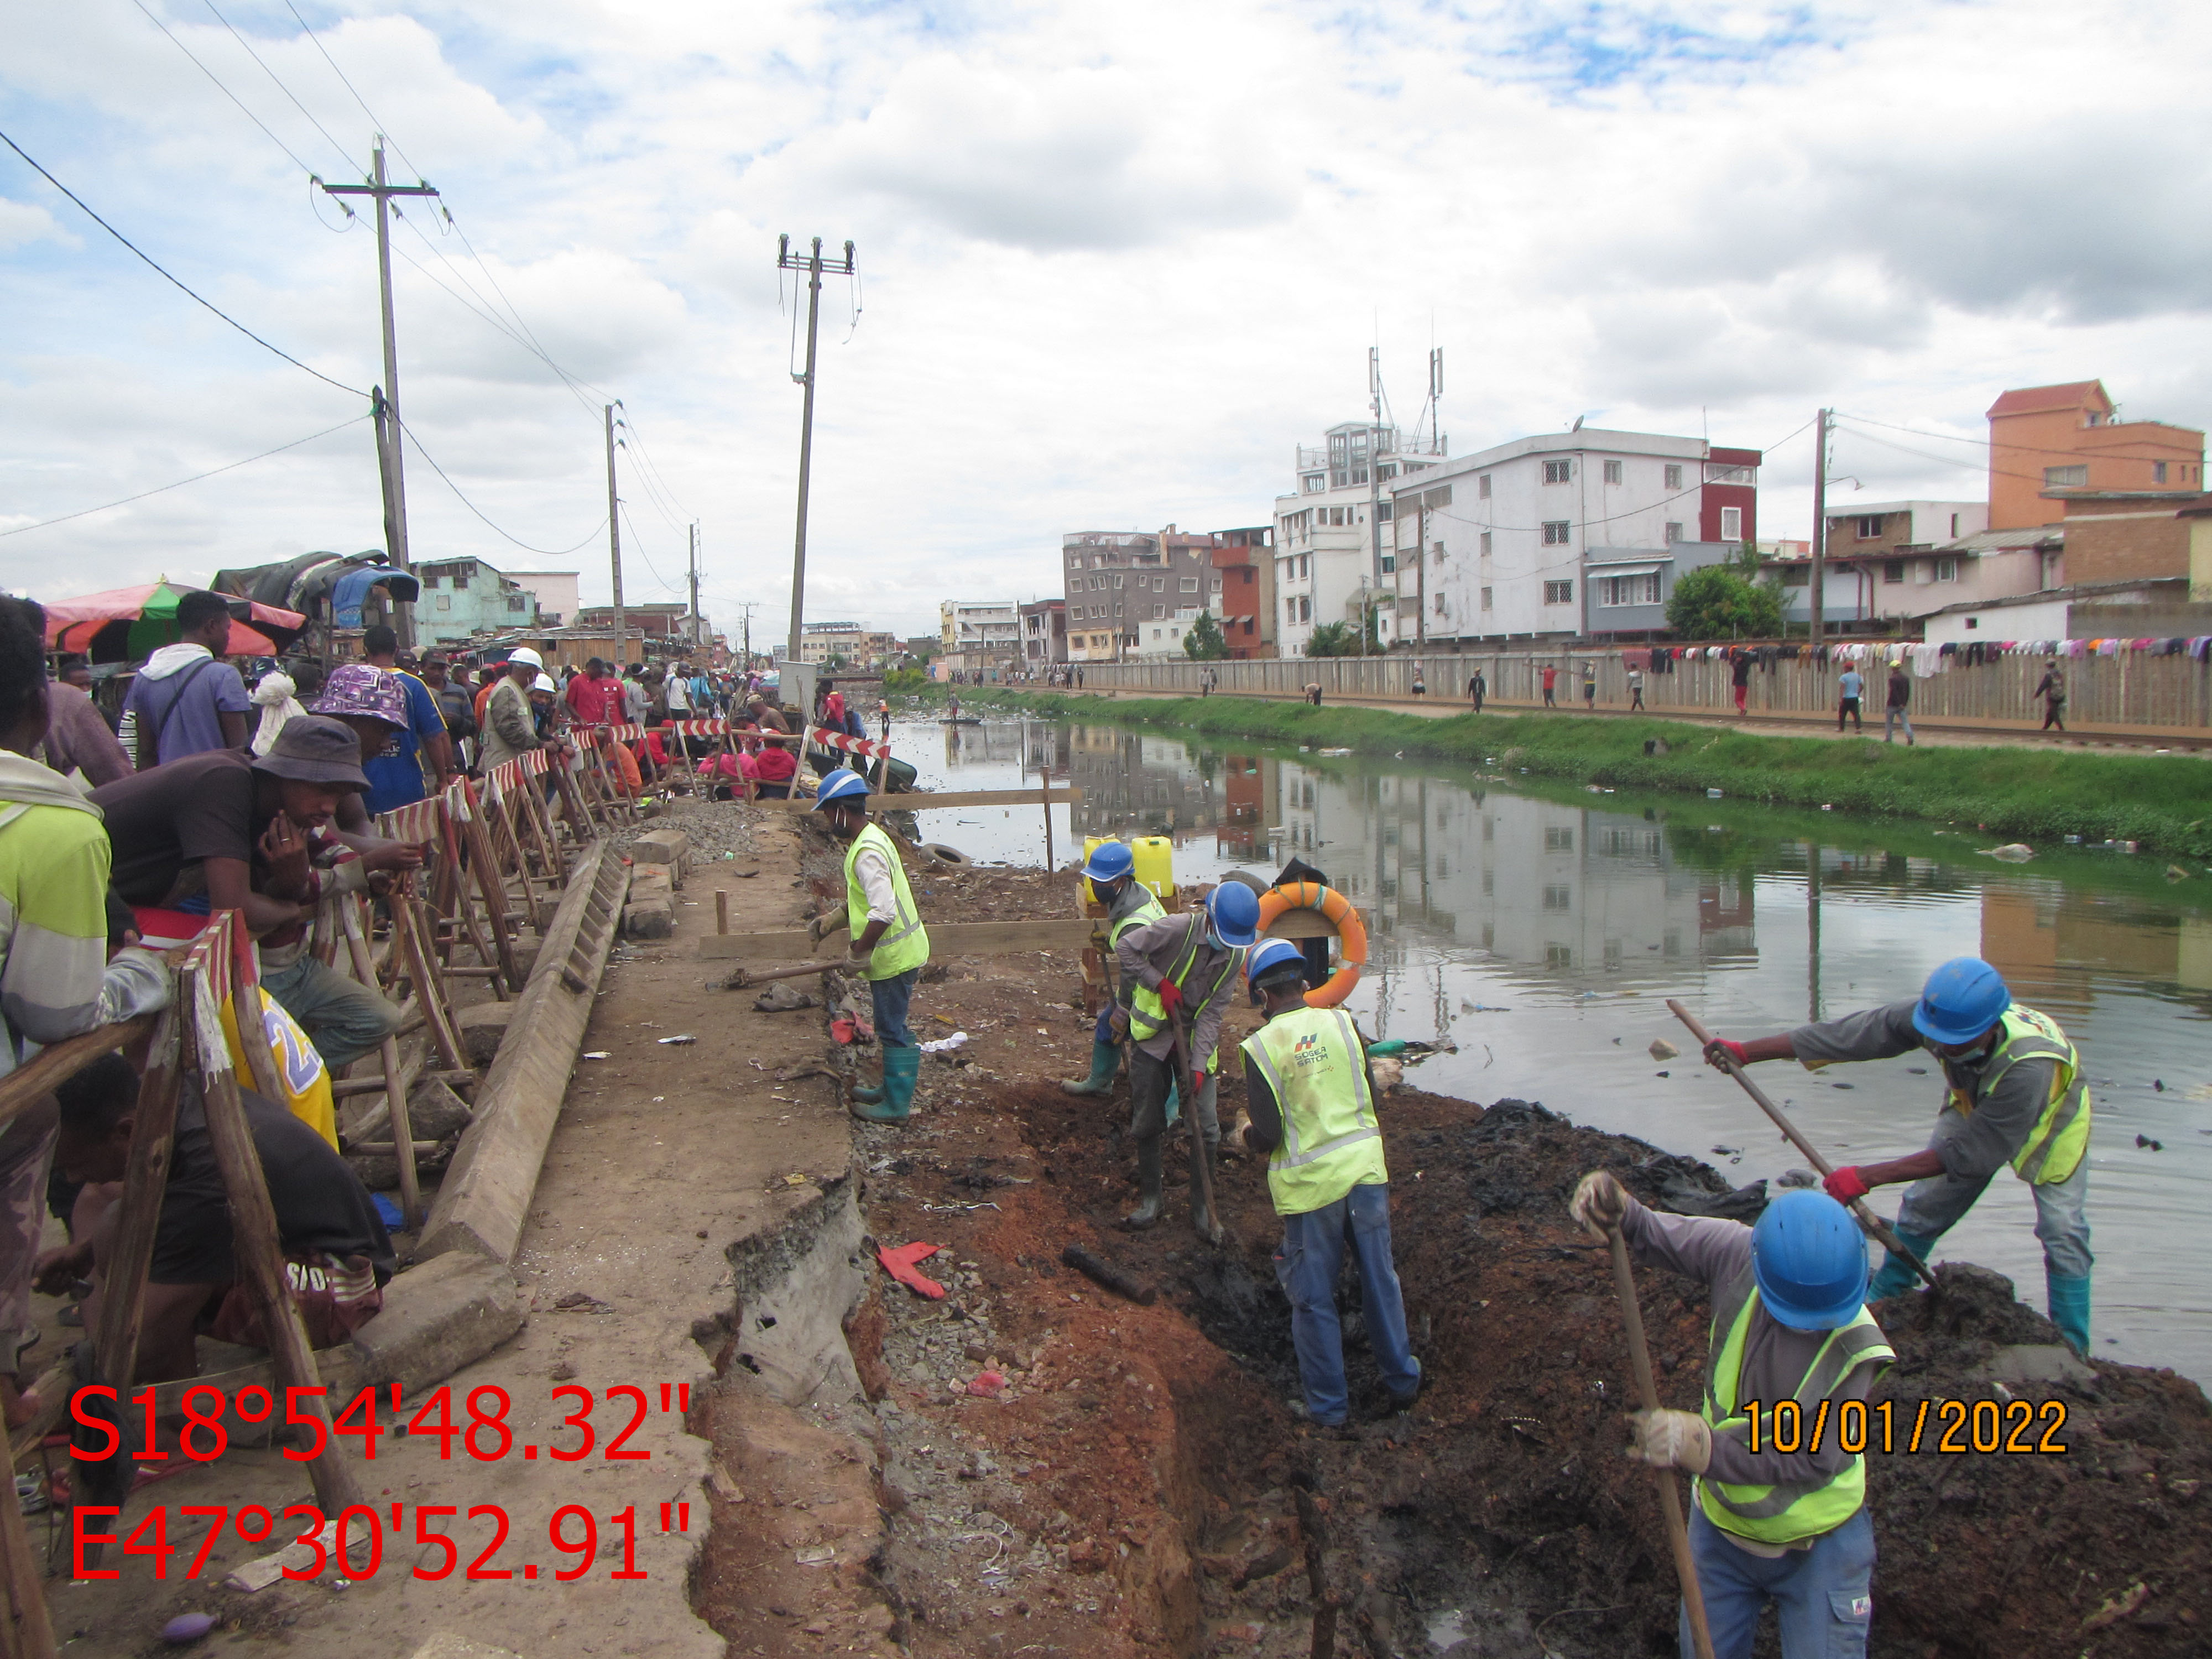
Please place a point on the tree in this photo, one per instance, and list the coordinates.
(1332, 640)
(1716, 603)
(1205, 643)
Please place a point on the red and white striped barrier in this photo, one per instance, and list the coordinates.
(824, 738)
(416, 823)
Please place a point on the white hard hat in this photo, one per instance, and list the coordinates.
(525, 656)
(544, 683)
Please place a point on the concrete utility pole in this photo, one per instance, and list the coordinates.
(1421, 580)
(1820, 607)
(614, 534)
(698, 628)
(1374, 488)
(813, 265)
(388, 430)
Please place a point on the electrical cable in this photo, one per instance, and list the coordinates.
(179, 285)
(543, 552)
(637, 546)
(224, 89)
(24, 529)
(1986, 443)
(350, 87)
(1942, 460)
(343, 151)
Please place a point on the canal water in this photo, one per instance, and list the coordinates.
(1541, 926)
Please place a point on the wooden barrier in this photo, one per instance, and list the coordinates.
(955, 938)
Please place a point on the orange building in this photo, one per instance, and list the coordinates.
(2047, 439)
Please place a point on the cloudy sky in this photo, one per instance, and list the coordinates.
(1117, 261)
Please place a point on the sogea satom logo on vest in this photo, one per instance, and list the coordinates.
(1307, 1050)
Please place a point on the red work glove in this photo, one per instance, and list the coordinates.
(1846, 1184)
(1721, 1046)
(1170, 997)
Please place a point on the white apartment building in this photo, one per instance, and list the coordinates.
(980, 632)
(1517, 534)
(1330, 564)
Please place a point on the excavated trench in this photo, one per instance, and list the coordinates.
(1143, 1483)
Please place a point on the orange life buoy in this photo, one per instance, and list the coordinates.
(1335, 909)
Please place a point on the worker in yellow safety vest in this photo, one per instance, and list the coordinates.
(1184, 969)
(1310, 1112)
(2016, 1095)
(1790, 1329)
(890, 946)
(1111, 870)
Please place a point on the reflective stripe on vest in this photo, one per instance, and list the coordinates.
(1783, 1514)
(1316, 1069)
(1147, 912)
(2054, 1148)
(1148, 1015)
(904, 945)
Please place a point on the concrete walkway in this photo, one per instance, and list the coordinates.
(1934, 734)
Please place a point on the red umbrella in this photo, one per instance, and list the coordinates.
(124, 623)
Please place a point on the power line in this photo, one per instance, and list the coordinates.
(224, 89)
(342, 150)
(1986, 443)
(179, 285)
(348, 85)
(543, 552)
(24, 529)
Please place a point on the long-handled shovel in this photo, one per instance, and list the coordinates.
(1199, 1161)
(1883, 1233)
(1670, 1497)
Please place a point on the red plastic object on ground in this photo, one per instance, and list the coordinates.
(842, 1029)
(987, 1385)
(899, 1264)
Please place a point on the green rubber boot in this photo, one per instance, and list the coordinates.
(2068, 1298)
(1897, 1275)
(868, 1093)
(902, 1067)
(1105, 1066)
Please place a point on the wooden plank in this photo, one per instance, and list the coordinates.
(955, 938)
(1061, 795)
(28, 1085)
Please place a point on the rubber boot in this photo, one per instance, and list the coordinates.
(2068, 1298)
(1898, 1275)
(902, 1066)
(1202, 1220)
(869, 1094)
(1105, 1066)
(1147, 1212)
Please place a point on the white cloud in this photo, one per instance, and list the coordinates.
(26, 222)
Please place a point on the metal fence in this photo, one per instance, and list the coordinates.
(2146, 688)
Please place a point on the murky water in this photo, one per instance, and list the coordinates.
(1542, 928)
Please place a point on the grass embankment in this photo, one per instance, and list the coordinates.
(2035, 795)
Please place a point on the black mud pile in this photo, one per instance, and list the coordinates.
(1501, 1518)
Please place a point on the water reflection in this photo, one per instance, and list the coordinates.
(1540, 928)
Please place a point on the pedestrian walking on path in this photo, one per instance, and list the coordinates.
(1790, 1323)
(1739, 677)
(1635, 690)
(1477, 689)
(1551, 680)
(1852, 688)
(1900, 698)
(2016, 1095)
(889, 945)
(2051, 688)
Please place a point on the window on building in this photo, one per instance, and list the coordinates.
(1731, 523)
(1485, 543)
(1893, 570)
(1389, 563)
(1482, 487)
(1955, 526)
(1558, 897)
(1673, 476)
(1159, 611)
(1557, 532)
(460, 579)
(1485, 598)
(517, 603)
(1559, 592)
(1797, 575)
(1613, 471)
(1382, 511)
(1559, 838)
(1305, 610)
(1314, 483)
(2065, 477)
(2158, 471)
(1190, 584)
(1440, 496)
(1559, 472)
(1387, 469)
(1117, 581)
(1871, 527)
(444, 602)
(1440, 604)
(1674, 532)
(1947, 570)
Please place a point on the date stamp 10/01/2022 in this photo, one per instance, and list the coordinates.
(1951, 1427)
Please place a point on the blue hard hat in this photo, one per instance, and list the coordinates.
(1962, 1000)
(1809, 1259)
(1272, 954)
(841, 784)
(1234, 910)
(1110, 860)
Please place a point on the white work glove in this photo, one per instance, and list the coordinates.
(1599, 1204)
(1671, 1440)
(137, 980)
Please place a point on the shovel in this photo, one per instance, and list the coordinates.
(1883, 1234)
(743, 979)
(1670, 1497)
(1180, 1054)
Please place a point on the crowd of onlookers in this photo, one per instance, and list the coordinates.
(213, 789)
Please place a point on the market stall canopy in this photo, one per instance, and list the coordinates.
(125, 624)
(338, 580)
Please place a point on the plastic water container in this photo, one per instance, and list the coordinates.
(1155, 856)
